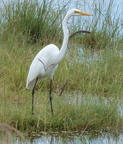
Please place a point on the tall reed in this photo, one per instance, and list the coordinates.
(105, 26)
(31, 21)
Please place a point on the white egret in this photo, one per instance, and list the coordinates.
(46, 61)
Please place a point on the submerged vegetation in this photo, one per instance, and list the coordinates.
(92, 67)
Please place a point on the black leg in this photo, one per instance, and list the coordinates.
(63, 88)
(50, 96)
(33, 90)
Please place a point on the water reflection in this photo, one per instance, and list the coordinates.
(76, 138)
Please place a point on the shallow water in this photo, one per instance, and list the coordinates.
(75, 138)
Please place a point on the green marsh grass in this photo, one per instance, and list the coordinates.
(31, 21)
(102, 74)
(71, 112)
(105, 26)
(86, 110)
(98, 81)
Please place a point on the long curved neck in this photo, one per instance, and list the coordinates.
(65, 40)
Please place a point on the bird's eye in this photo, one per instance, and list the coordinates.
(76, 11)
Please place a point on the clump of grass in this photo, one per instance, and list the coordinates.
(104, 26)
(95, 72)
(71, 112)
(31, 21)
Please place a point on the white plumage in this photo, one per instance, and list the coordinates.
(43, 65)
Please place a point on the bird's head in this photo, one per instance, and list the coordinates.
(76, 12)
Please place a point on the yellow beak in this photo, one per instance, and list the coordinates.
(83, 13)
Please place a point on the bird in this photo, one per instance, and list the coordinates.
(47, 59)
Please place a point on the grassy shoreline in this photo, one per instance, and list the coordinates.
(71, 112)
